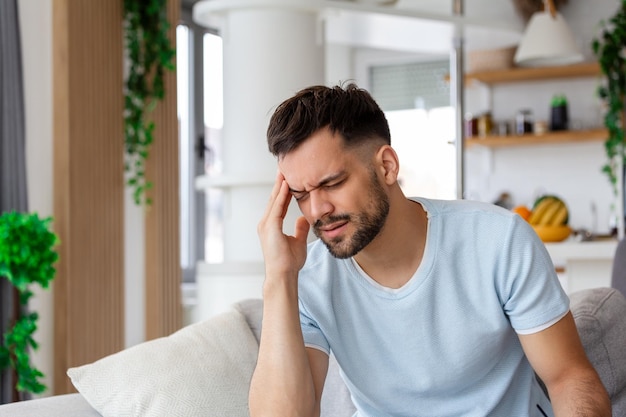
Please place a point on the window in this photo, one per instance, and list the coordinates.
(213, 120)
(199, 84)
(183, 81)
(416, 101)
(427, 159)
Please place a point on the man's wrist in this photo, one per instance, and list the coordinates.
(277, 283)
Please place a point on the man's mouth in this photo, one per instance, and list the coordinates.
(332, 230)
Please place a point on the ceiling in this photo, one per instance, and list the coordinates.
(473, 8)
(425, 26)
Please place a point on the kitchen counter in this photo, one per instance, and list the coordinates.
(584, 264)
(570, 249)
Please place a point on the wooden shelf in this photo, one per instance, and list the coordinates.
(519, 74)
(568, 136)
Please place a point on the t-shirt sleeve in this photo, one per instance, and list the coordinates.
(312, 334)
(530, 291)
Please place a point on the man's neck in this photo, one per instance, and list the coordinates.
(393, 257)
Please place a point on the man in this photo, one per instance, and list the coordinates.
(432, 308)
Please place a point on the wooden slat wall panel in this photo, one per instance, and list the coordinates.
(88, 182)
(163, 273)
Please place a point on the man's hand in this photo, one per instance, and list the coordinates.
(284, 255)
(287, 380)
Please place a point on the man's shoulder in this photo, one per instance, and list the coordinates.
(464, 209)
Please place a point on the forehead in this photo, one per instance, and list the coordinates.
(320, 156)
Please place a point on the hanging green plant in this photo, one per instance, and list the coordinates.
(149, 54)
(610, 48)
(26, 257)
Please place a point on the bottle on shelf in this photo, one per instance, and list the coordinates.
(485, 124)
(471, 125)
(524, 122)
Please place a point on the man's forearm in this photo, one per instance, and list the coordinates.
(584, 396)
(282, 384)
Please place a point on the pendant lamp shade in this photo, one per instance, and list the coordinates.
(547, 41)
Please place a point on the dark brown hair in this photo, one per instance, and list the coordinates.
(351, 112)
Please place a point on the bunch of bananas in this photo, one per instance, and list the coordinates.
(549, 210)
(549, 217)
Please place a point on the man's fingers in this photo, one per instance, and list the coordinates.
(286, 200)
(276, 190)
(281, 201)
(302, 228)
(277, 207)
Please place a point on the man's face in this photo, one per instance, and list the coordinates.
(338, 193)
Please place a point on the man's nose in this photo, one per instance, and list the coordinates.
(320, 205)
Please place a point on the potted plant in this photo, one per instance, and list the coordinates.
(150, 54)
(610, 49)
(26, 257)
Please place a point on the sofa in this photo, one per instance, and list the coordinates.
(204, 369)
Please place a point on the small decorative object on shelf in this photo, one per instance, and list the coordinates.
(485, 124)
(559, 118)
(471, 125)
(540, 127)
(490, 59)
(524, 122)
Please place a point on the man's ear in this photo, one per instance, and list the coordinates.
(389, 164)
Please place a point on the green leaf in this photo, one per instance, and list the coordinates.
(609, 49)
(150, 53)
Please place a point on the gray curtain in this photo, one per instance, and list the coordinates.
(12, 151)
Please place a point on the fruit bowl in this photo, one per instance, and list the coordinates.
(552, 233)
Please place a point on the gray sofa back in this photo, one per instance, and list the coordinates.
(618, 274)
(600, 316)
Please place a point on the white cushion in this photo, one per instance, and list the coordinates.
(203, 369)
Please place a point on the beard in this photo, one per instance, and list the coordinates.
(368, 223)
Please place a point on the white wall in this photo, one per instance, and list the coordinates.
(36, 32)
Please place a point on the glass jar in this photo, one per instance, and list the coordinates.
(485, 125)
(524, 122)
(471, 126)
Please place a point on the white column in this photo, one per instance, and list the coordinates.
(272, 48)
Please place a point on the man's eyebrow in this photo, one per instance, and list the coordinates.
(323, 182)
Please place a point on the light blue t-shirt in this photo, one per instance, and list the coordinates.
(444, 344)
